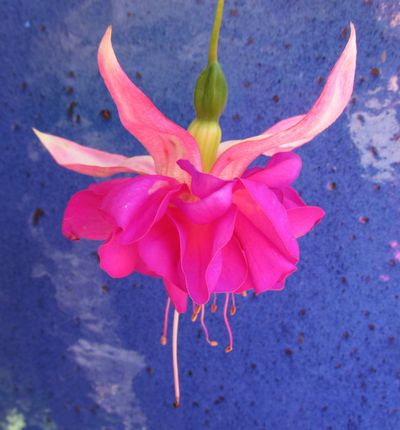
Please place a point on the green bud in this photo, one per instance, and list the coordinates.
(211, 93)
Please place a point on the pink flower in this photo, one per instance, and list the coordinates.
(226, 231)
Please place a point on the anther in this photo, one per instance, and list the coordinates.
(163, 340)
(228, 348)
(233, 310)
(196, 313)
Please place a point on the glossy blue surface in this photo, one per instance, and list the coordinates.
(80, 351)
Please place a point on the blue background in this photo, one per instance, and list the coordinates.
(80, 351)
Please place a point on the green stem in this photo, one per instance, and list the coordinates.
(213, 52)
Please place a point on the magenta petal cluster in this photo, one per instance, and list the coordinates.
(226, 231)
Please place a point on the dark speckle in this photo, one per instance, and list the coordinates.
(288, 352)
(375, 72)
(105, 114)
(320, 80)
(190, 373)
(138, 76)
(69, 90)
(253, 366)
(250, 41)
(236, 117)
(96, 256)
(149, 370)
(331, 186)
(39, 213)
(105, 289)
(363, 219)
(233, 12)
(361, 118)
(70, 109)
(42, 28)
(24, 86)
(343, 33)
(372, 149)
(275, 98)
(345, 335)
(71, 74)
(371, 327)
(302, 312)
(247, 84)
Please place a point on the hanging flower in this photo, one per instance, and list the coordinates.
(193, 215)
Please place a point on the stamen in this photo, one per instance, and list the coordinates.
(165, 329)
(196, 312)
(229, 348)
(233, 308)
(175, 358)
(203, 324)
(214, 305)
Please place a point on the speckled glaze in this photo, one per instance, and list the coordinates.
(79, 351)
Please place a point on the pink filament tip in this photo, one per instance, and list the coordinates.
(165, 329)
(203, 324)
(229, 348)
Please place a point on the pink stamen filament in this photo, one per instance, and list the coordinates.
(175, 358)
(214, 305)
(229, 348)
(233, 308)
(203, 324)
(165, 329)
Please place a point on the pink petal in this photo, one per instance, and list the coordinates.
(210, 208)
(234, 268)
(199, 244)
(138, 204)
(279, 126)
(331, 103)
(281, 170)
(261, 206)
(159, 250)
(90, 161)
(83, 217)
(178, 297)
(116, 259)
(303, 219)
(202, 184)
(165, 141)
(267, 266)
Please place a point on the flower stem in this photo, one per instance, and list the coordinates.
(213, 52)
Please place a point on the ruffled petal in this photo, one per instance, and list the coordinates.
(281, 170)
(261, 206)
(202, 184)
(165, 141)
(90, 161)
(138, 204)
(83, 217)
(208, 209)
(331, 103)
(199, 244)
(116, 259)
(178, 297)
(303, 219)
(159, 250)
(267, 266)
(234, 268)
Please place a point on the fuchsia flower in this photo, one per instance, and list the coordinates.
(227, 230)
